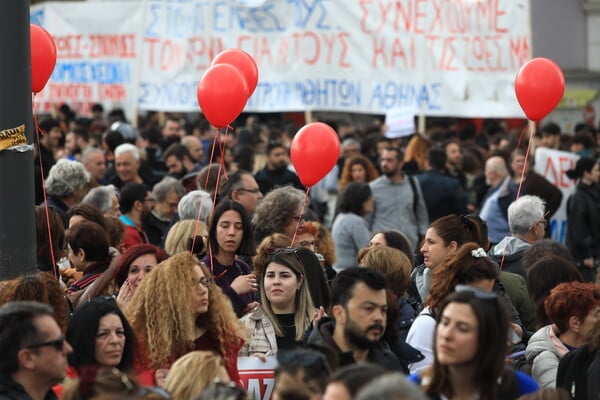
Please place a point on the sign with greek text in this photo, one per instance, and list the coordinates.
(440, 57)
(553, 165)
(258, 377)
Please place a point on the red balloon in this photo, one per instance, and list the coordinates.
(315, 150)
(222, 94)
(539, 86)
(243, 62)
(43, 57)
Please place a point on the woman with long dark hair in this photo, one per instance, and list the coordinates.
(583, 218)
(229, 236)
(470, 344)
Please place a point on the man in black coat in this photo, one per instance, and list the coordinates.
(443, 194)
(276, 172)
(359, 311)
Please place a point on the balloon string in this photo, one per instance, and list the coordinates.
(216, 142)
(39, 130)
(531, 129)
(298, 224)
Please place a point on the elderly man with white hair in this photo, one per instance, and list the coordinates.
(66, 185)
(129, 168)
(527, 225)
(195, 204)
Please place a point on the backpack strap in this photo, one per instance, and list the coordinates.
(415, 196)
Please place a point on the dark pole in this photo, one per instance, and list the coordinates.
(17, 222)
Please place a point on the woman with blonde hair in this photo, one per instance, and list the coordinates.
(357, 169)
(194, 372)
(286, 309)
(178, 308)
(180, 237)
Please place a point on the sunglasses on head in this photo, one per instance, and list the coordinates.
(480, 294)
(273, 251)
(58, 344)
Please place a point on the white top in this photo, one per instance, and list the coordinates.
(420, 336)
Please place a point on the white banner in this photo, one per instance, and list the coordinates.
(553, 165)
(440, 57)
(258, 377)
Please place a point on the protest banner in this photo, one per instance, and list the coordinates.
(553, 165)
(439, 57)
(258, 377)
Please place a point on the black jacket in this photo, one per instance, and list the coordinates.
(11, 390)
(381, 354)
(443, 195)
(573, 371)
(583, 223)
(268, 180)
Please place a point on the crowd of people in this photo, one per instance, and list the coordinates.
(419, 267)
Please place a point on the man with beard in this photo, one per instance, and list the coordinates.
(136, 202)
(181, 165)
(276, 172)
(399, 203)
(76, 142)
(359, 310)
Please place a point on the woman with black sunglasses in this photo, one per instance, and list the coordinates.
(286, 309)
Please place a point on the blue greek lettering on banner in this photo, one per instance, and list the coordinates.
(92, 72)
(391, 94)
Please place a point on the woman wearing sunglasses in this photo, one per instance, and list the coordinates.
(229, 236)
(286, 307)
(470, 344)
(177, 309)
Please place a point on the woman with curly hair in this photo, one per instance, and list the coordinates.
(357, 169)
(41, 287)
(178, 308)
(468, 265)
(280, 211)
(574, 309)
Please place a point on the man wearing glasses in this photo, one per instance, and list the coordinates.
(33, 351)
(242, 188)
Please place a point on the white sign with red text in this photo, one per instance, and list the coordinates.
(553, 165)
(455, 58)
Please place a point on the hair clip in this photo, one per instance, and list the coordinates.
(478, 253)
